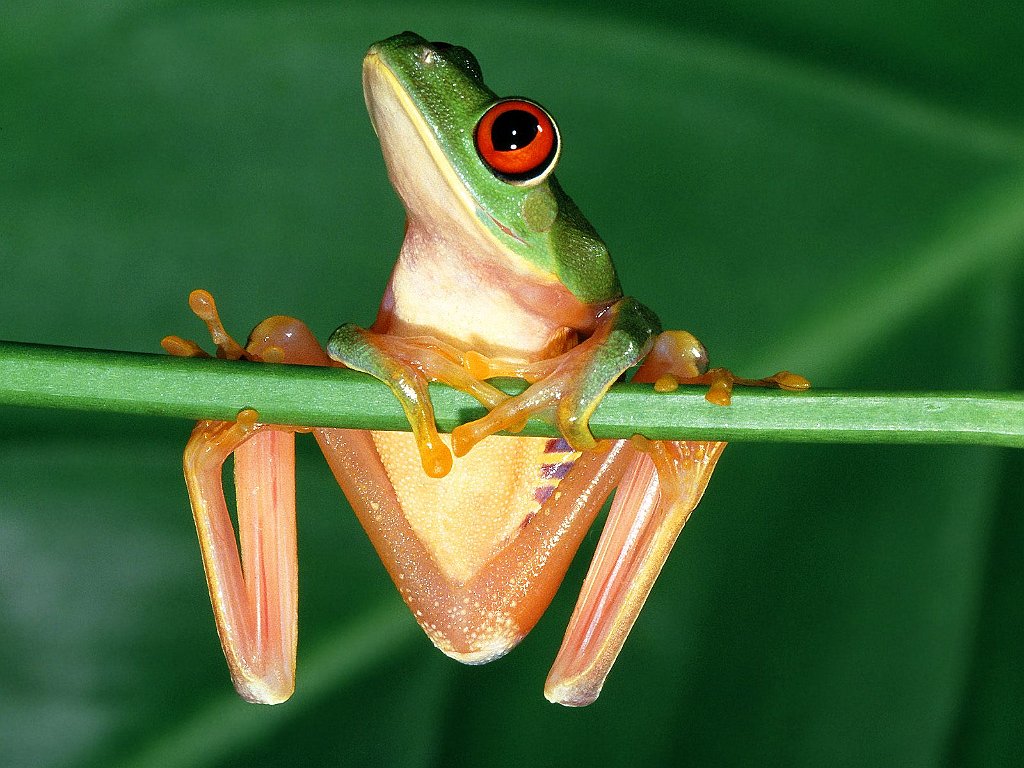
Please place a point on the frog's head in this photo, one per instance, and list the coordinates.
(468, 164)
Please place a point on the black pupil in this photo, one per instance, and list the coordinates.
(514, 129)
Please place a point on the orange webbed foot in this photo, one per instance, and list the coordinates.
(278, 339)
(559, 393)
(679, 358)
(565, 389)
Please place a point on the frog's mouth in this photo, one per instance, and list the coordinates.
(502, 227)
(431, 189)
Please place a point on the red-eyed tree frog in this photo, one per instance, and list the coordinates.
(499, 275)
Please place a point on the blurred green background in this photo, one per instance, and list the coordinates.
(835, 188)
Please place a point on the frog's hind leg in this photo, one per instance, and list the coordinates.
(660, 489)
(252, 580)
(652, 504)
(475, 610)
(254, 594)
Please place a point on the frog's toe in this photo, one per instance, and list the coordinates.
(791, 382)
(205, 308)
(509, 416)
(554, 400)
(721, 381)
(677, 357)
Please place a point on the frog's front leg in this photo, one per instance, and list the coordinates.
(407, 365)
(567, 389)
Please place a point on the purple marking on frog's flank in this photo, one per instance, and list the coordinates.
(557, 445)
(555, 471)
(543, 493)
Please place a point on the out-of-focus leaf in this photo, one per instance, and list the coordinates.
(837, 190)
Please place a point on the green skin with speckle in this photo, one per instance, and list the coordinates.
(451, 97)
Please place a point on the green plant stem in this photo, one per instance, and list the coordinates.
(125, 382)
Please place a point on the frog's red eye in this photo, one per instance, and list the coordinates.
(518, 140)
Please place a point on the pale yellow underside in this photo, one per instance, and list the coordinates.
(464, 518)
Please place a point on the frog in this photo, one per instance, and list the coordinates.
(499, 275)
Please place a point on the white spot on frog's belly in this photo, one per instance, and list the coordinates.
(465, 518)
(501, 640)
